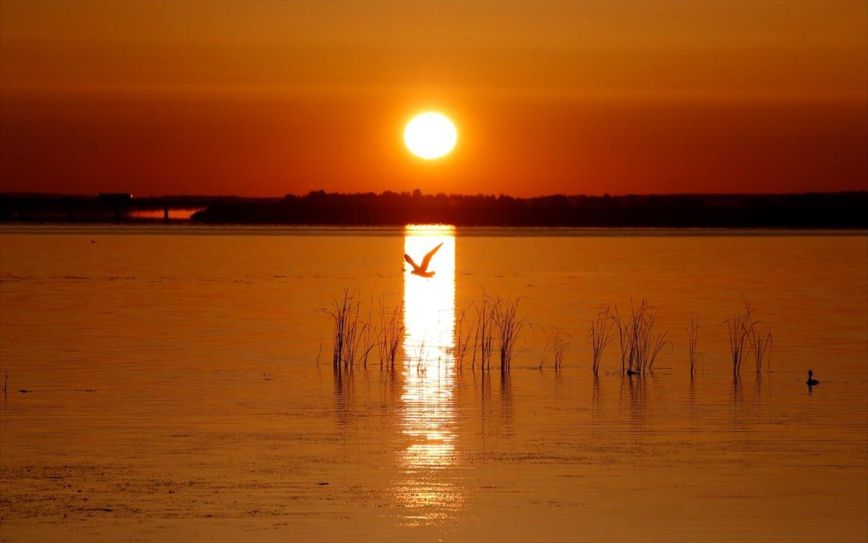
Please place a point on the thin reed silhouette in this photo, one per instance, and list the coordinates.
(761, 345)
(557, 346)
(744, 337)
(391, 334)
(600, 335)
(462, 339)
(692, 338)
(639, 341)
(739, 327)
(350, 334)
(507, 326)
(498, 324)
(483, 338)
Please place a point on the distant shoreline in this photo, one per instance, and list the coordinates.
(824, 211)
(189, 228)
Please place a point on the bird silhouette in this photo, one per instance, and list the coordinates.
(811, 381)
(422, 270)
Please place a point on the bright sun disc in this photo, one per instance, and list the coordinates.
(430, 135)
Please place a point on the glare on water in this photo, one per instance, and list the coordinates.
(429, 368)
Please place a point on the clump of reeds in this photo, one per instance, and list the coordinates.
(391, 335)
(739, 327)
(649, 342)
(737, 342)
(761, 345)
(640, 342)
(745, 336)
(507, 326)
(462, 339)
(483, 341)
(600, 335)
(369, 337)
(692, 337)
(624, 341)
(556, 345)
(341, 315)
(351, 336)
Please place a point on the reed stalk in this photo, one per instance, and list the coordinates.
(624, 341)
(369, 338)
(462, 339)
(600, 335)
(420, 358)
(557, 346)
(651, 342)
(391, 335)
(739, 328)
(351, 336)
(507, 326)
(761, 345)
(484, 334)
(340, 316)
(640, 342)
(692, 337)
(353, 331)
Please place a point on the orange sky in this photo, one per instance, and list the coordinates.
(265, 98)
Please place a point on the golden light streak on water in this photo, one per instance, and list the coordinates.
(429, 374)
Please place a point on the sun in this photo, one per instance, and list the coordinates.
(430, 135)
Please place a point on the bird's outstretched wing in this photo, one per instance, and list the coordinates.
(427, 259)
(410, 261)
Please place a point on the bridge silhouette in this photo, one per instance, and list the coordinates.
(104, 207)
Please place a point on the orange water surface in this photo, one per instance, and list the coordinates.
(176, 383)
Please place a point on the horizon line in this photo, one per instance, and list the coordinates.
(412, 192)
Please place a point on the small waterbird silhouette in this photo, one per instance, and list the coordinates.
(811, 381)
(422, 271)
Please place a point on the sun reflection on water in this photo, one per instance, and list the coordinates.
(429, 374)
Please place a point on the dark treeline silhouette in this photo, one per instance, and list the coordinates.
(810, 210)
(814, 210)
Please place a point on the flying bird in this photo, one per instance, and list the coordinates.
(422, 271)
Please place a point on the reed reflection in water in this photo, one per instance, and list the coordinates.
(428, 410)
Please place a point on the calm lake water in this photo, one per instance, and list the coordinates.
(167, 383)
